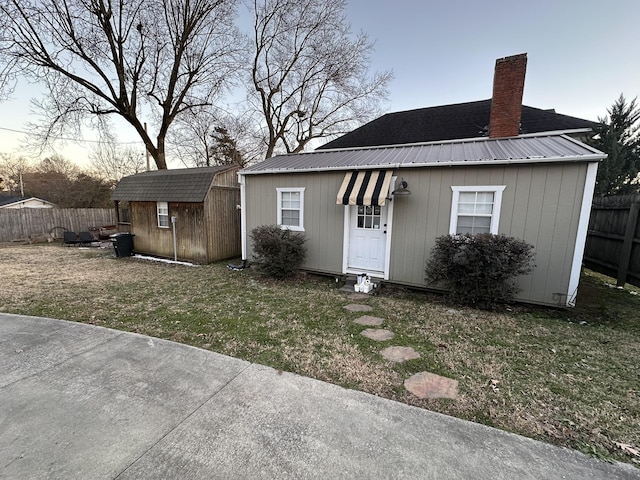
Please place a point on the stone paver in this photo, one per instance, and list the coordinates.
(358, 296)
(430, 385)
(354, 307)
(369, 321)
(399, 354)
(379, 334)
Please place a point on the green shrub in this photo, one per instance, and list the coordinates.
(479, 270)
(278, 252)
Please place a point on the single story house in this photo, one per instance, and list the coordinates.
(201, 204)
(25, 202)
(358, 218)
(379, 209)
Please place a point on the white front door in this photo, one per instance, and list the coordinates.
(367, 239)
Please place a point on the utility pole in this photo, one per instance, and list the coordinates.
(146, 149)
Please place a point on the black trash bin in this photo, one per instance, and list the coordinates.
(122, 244)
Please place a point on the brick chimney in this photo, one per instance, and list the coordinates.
(506, 103)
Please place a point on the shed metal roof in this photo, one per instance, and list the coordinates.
(478, 151)
(178, 185)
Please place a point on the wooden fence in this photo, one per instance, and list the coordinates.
(613, 238)
(28, 222)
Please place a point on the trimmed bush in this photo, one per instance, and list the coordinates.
(278, 252)
(479, 270)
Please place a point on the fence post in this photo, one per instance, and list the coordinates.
(627, 245)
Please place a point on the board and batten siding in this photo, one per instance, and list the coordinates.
(323, 219)
(228, 178)
(541, 204)
(222, 217)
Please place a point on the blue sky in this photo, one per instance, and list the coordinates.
(581, 55)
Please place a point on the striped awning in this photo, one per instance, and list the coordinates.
(366, 187)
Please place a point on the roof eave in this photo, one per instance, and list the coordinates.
(25, 200)
(455, 163)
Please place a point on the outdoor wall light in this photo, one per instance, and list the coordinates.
(402, 188)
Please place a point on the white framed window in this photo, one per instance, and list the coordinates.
(476, 209)
(162, 209)
(291, 208)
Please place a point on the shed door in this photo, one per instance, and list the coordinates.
(367, 238)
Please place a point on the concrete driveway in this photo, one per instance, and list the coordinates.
(84, 402)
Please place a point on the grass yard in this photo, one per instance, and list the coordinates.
(568, 377)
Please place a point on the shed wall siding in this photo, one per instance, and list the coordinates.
(323, 219)
(227, 178)
(223, 220)
(153, 240)
(540, 204)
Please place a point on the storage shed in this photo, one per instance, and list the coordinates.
(201, 203)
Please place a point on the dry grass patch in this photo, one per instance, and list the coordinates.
(569, 377)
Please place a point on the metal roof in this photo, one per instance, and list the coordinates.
(478, 151)
(179, 185)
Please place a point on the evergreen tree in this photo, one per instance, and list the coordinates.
(225, 148)
(618, 135)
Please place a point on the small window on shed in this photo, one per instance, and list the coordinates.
(475, 209)
(163, 214)
(291, 208)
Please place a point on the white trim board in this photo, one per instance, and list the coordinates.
(581, 235)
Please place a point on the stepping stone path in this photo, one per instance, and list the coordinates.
(379, 334)
(399, 354)
(354, 307)
(369, 321)
(359, 296)
(430, 385)
(423, 384)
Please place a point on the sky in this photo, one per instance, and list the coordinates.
(581, 56)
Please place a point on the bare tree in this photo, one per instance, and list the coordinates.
(191, 138)
(212, 137)
(58, 165)
(310, 74)
(12, 169)
(130, 58)
(112, 162)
